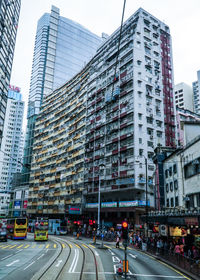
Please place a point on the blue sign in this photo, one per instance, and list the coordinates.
(125, 181)
(16, 213)
(74, 210)
(143, 203)
(17, 204)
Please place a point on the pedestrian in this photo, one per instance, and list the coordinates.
(177, 249)
(117, 242)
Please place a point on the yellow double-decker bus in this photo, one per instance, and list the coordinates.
(41, 229)
(17, 228)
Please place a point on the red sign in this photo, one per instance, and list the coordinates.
(25, 203)
(192, 221)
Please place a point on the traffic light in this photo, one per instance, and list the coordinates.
(125, 230)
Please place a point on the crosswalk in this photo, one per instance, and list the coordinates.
(50, 246)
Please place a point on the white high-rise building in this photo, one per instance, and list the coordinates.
(184, 96)
(12, 144)
(196, 93)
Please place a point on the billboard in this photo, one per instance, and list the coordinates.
(18, 194)
(17, 204)
(25, 203)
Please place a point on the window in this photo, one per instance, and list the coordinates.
(172, 202)
(175, 168)
(167, 202)
(176, 201)
(170, 171)
(171, 186)
(166, 173)
(176, 185)
(167, 187)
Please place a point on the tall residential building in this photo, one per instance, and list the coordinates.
(9, 16)
(196, 93)
(100, 129)
(62, 47)
(12, 143)
(183, 96)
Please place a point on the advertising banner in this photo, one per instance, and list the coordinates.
(91, 205)
(74, 210)
(26, 194)
(128, 203)
(17, 204)
(25, 203)
(18, 195)
(108, 204)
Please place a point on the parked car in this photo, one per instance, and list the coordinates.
(3, 234)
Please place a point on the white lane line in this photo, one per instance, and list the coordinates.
(28, 265)
(132, 256)
(115, 268)
(6, 257)
(12, 263)
(40, 257)
(75, 264)
(59, 262)
(111, 252)
(73, 260)
(96, 253)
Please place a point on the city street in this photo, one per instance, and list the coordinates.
(69, 258)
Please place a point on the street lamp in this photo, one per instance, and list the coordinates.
(99, 197)
(146, 196)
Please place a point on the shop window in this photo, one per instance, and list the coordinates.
(176, 201)
(170, 171)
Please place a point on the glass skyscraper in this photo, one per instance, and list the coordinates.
(62, 48)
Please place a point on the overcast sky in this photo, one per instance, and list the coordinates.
(182, 16)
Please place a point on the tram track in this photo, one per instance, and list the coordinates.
(61, 260)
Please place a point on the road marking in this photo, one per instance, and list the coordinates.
(111, 252)
(33, 246)
(74, 262)
(26, 246)
(6, 257)
(63, 245)
(107, 247)
(115, 268)
(29, 265)
(129, 248)
(59, 262)
(13, 246)
(12, 263)
(96, 253)
(70, 246)
(47, 246)
(54, 245)
(40, 257)
(91, 246)
(133, 256)
(6, 246)
(85, 246)
(121, 247)
(20, 246)
(115, 259)
(160, 276)
(77, 245)
(40, 246)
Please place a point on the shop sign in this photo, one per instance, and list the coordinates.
(128, 203)
(125, 181)
(17, 204)
(143, 203)
(91, 205)
(25, 203)
(26, 194)
(108, 204)
(74, 210)
(191, 221)
(163, 230)
(177, 231)
(16, 213)
(18, 194)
